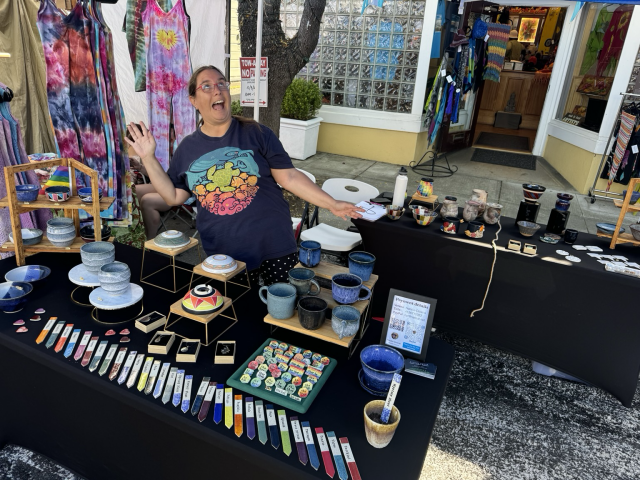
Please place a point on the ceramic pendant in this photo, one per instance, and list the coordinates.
(35, 318)
(110, 332)
(39, 311)
(562, 252)
(125, 332)
(573, 259)
(125, 340)
(19, 322)
(22, 330)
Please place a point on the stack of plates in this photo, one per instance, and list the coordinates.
(171, 239)
(219, 264)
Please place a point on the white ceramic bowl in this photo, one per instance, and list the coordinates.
(171, 239)
(219, 264)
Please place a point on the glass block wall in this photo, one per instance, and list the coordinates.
(368, 60)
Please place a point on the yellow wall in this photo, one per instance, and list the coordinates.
(372, 144)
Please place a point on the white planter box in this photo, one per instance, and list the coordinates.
(300, 138)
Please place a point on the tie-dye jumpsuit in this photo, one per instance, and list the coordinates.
(168, 72)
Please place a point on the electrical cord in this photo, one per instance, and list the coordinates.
(493, 265)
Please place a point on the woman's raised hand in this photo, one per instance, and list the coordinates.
(143, 142)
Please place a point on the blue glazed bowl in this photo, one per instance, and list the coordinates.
(96, 254)
(61, 231)
(361, 264)
(58, 194)
(114, 277)
(87, 233)
(13, 295)
(86, 194)
(635, 196)
(379, 363)
(28, 273)
(27, 193)
(30, 236)
(608, 228)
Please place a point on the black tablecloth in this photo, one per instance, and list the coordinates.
(574, 317)
(104, 431)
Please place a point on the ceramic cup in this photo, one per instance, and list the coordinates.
(280, 299)
(96, 254)
(450, 225)
(379, 363)
(114, 277)
(570, 236)
(309, 253)
(61, 231)
(378, 434)
(347, 288)
(312, 312)
(345, 320)
(425, 188)
(303, 280)
(361, 264)
(475, 227)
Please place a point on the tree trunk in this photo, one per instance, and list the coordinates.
(286, 55)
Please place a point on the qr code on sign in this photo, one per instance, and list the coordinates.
(396, 324)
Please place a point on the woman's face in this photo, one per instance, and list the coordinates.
(214, 106)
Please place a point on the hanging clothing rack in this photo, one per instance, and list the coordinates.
(607, 194)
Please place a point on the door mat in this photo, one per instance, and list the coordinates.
(500, 140)
(508, 159)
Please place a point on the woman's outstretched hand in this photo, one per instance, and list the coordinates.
(346, 210)
(143, 142)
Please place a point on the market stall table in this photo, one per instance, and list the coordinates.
(574, 317)
(103, 430)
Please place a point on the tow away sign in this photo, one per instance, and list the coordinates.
(247, 81)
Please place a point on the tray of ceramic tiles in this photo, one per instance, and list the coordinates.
(284, 374)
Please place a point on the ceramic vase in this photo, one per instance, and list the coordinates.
(449, 207)
(379, 434)
(480, 196)
(492, 213)
(471, 210)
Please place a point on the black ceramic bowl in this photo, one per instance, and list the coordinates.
(87, 233)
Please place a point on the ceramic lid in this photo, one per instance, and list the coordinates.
(171, 239)
(202, 300)
(219, 263)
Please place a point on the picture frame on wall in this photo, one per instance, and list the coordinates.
(528, 29)
(407, 323)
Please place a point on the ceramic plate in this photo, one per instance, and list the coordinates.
(562, 252)
(594, 249)
(28, 273)
(103, 300)
(83, 277)
(571, 258)
(551, 241)
(579, 247)
(372, 392)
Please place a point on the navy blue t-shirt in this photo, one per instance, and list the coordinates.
(241, 210)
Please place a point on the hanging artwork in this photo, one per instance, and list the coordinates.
(528, 30)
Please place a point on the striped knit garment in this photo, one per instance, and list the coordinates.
(626, 126)
(496, 49)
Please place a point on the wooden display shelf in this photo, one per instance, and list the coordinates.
(416, 197)
(74, 203)
(223, 277)
(325, 294)
(150, 245)
(632, 208)
(622, 238)
(625, 206)
(177, 309)
(46, 246)
(325, 332)
(328, 270)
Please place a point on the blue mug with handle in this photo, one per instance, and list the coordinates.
(309, 253)
(361, 264)
(347, 288)
(280, 299)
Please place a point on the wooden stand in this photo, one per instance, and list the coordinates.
(70, 207)
(177, 310)
(326, 333)
(223, 277)
(432, 199)
(171, 253)
(624, 206)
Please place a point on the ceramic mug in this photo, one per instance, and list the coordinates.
(280, 299)
(379, 434)
(475, 227)
(312, 312)
(309, 253)
(361, 264)
(425, 188)
(345, 320)
(570, 236)
(114, 277)
(303, 280)
(450, 225)
(346, 288)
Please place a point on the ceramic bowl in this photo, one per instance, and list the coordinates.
(608, 228)
(96, 254)
(171, 239)
(394, 212)
(87, 234)
(28, 273)
(419, 210)
(427, 219)
(219, 264)
(379, 363)
(635, 196)
(86, 194)
(27, 193)
(532, 192)
(58, 194)
(114, 277)
(202, 300)
(61, 231)
(476, 234)
(635, 230)
(527, 229)
(550, 238)
(30, 236)
(13, 295)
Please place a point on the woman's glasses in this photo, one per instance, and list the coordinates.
(208, 87)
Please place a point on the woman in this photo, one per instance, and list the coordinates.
(233, 166)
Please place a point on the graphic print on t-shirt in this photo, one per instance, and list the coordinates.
(224, 181)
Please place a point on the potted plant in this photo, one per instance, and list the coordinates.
(299, 125)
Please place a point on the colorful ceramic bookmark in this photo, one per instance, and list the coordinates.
(349, 458)
(186, 393)
(251, 427)
(324, 451)
(262, 427)
(45, 331)
(299, 439)
(155, 368)
(337, 456)
(284, 432)
(89, 351)
(228, 407)
(127, 367)
(177, 389)
(84, 341)
(171, 380)
(63, 338)
(202, 390)
(135, 370)
(206, 403)
(107, 359)
(237, 415)
(273, 427)
(144, 376)
(311, 446)
(72, 343)
(98, 356)
(217, 408)
(117, 363)
(54, 334)
(164, 371)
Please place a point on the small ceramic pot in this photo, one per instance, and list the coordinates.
(562, 205)
(86, 194)
(13, 295)
(27, 193)
(303, 280)
(280, 300)
(96, 254)
(425, 188)
(450, 225)
(30, 236)
(378, 434)
(347, 288)
(57, 193)
(114, 277)
(361, 264)
(379, 363)
(345, 321)
(527, 229)
(471, 210)
(394, 212)
(449, 207)
(202, 300)
(309, 253)
(312, 312)
(570, 236)
(61, 231)
(492, 213)
(480, 196)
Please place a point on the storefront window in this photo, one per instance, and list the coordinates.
(368, 60)
(596, 55)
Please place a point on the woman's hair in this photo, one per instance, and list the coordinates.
(193, 84)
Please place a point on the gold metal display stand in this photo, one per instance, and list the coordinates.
(94, 315)
(171, 253)
(73, 299)
(223, 277)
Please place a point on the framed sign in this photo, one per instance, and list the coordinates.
(407, 323)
